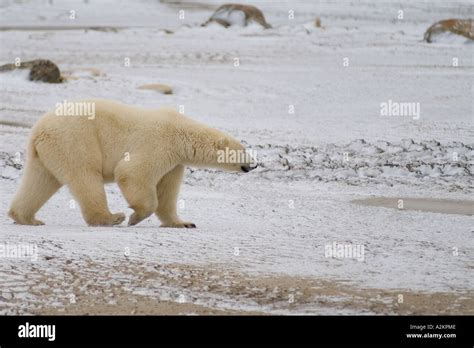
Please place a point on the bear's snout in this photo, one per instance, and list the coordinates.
(247, 168)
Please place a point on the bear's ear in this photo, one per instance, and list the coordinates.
(222, 143)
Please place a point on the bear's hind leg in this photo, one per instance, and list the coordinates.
(167, 192)
(88, 189)
(37, 186)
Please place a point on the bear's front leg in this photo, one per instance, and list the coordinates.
(167, 192)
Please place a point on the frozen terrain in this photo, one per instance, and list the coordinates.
(308, 101)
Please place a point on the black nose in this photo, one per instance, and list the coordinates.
(248, 168)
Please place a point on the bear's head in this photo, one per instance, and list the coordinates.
(216, 149)
(233, 156)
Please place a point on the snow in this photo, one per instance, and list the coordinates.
(276, 220)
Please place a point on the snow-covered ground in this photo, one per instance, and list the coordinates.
(308, 101)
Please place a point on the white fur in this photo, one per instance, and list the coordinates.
(144, 151)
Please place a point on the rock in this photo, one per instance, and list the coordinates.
(462, 27)
(158, 87)
(90, 73)
(231, 14)
(317, 22)
(40, 70)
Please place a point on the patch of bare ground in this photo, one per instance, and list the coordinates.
(136, 289)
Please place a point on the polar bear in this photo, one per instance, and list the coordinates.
(86, 144)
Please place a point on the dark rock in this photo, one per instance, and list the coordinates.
(463, 27)
(251, 14)
(40, 70)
